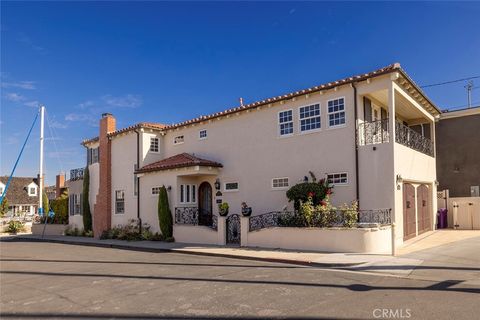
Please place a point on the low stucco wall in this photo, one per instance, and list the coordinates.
(361, 240)
(195, 234)
(50, 229)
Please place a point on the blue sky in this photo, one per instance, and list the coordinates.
(168, 62)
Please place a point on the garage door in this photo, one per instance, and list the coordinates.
(424, 211)
(409, 221)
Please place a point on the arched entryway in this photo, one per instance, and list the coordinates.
(205, 204)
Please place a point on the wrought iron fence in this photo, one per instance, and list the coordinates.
(190, 216)
(186, 215)
(412, 139)
(76, 174)
(335, 218)
(373, 132)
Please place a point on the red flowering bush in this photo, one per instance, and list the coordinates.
(301, 192)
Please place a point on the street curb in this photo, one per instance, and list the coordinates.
(183, 251)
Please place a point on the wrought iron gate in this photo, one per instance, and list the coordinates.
(233, 229)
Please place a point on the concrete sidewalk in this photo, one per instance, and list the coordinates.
(314, 259)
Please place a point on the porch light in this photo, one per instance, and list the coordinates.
(217, 184)
(399, 179)
(169, 188)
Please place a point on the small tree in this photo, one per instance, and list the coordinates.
(4, 207)
(60, 207)
(87, 215)
(164, 214)
(301, 192)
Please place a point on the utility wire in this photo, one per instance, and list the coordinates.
(448, 82)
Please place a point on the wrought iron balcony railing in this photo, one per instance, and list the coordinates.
(376, 132)
(412, 139)
(373, 132)
(76, 174)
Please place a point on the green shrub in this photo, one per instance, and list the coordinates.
(60, 207)
(3, 207)
(302, 191)
(15, 227)
(131, 232)
(164, 215)
(87, 215)
(350, 214)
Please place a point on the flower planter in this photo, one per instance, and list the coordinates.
(223, 213)
(247, 212)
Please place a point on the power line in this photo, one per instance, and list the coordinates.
(448, 82)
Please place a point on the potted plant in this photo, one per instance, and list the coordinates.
(223, 209)
(246, 210)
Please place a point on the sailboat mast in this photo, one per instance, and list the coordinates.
(40, 195)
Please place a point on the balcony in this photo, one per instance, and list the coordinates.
(377, 132)
(76, 174)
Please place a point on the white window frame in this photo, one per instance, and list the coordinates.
(280, 124)
(340, 183)
(32, 194)
(154, 188)
(282, 187)
(335, 112)
(200, 134)
(192, 194)
(311, 117)
(231, 190)
(117, 199)
(157, 143)
(177, 143)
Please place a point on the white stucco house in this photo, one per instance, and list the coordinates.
(371, 135)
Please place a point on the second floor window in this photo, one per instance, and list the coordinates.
(119, 202)
(32, 191)
(336, 112)
(153, 144)
(202, 134)
(285, 122)
(92, 155)
(310, 118)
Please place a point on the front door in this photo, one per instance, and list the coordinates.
(409, 221)
(205, 204)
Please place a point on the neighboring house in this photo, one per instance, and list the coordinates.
(458, 162)
(75, 196)
(22, 194)
(56, 190)
(372, 136)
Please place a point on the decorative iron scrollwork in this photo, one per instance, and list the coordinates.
(233, 229)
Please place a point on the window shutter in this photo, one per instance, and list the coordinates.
(367, 109)
(89, 157)
(81, 204)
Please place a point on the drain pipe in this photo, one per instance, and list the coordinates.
(357, 186)
(138, 182)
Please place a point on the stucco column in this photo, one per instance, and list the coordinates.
(244, 226)
(221, 230)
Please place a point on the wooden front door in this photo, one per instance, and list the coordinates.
(205, 204)
(409, 221)
(423, 209)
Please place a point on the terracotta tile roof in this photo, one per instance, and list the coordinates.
(148, 125)
(179, 161)
(17, 193)
(395, 67)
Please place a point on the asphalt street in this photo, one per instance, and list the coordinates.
(60, 281)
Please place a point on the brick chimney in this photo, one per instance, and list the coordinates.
(102, 212)
(59, 184)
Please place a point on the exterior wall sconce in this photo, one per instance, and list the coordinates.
(456, 169)
(217, 184)
(437, 183)
(399, 179)
(305, 179)
(169, 188)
